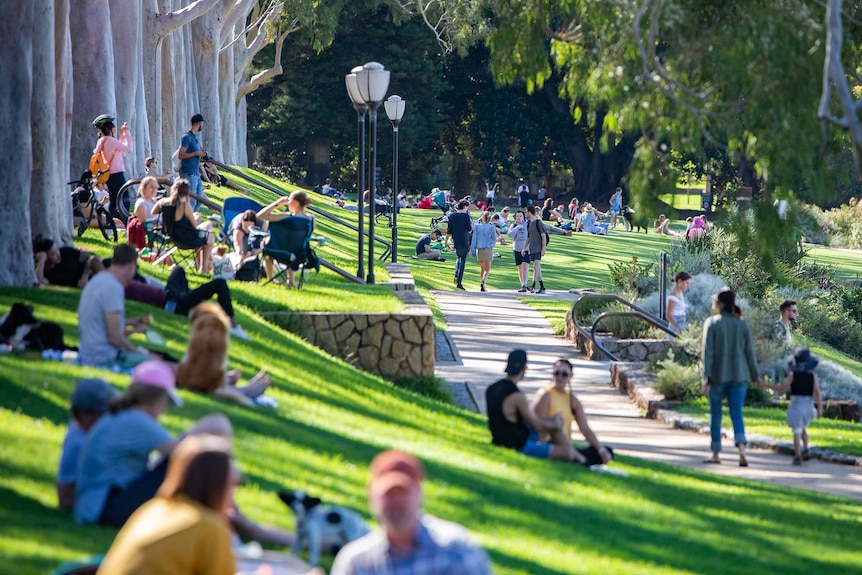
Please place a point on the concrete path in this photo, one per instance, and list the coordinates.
(484, 327)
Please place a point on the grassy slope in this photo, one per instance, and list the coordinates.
(533, 517)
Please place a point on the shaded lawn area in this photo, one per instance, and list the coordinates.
(554, 311)
(847, 263)
(534, 517)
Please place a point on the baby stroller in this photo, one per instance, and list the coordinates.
(447, 208)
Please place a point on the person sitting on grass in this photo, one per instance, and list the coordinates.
(89, 402)
(660, 226)
(176, 297)
(103, 329)
(804, 391)
(424, 251)
(64, 266)
(182, 530)
(514, 425)
(556, 399)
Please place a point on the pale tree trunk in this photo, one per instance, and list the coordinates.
(227, 106)
(126, 33)
(160, 20)
(244, 53)
(45, 185)
(93, 65)
(206, 34)
(835, 79)
(63, 114)
(16, 69)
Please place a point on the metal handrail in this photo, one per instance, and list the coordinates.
(388, 245)
(638, 312)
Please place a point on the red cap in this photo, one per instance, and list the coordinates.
(395, 469)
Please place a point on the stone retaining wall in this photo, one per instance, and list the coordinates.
(389, 345)
(624, 349)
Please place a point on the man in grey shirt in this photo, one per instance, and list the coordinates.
(537, 240)
(102, 326)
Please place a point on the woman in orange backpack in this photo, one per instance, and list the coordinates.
(113, 150)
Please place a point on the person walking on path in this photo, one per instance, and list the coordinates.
(804, 391)
(729, 364)
(556, 398)
(537, 241)
(676, 302)
(518, 233)
(190, 154)
(114, 150)
(460, 228)
(482, 246)
(410, 542)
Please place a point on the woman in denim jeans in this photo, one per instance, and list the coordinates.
(729, 364)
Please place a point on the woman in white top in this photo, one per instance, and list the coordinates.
(676, 302)
(490, 192)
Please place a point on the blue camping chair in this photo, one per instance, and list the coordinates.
(232, 207)
(289, 244)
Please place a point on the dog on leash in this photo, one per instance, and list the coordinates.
(321, 527)
(628, 219)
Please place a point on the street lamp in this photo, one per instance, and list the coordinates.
(372, 81)
(395, 107)
(352, 82)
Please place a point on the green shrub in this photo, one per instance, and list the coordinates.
(678, 382)
(633, 277)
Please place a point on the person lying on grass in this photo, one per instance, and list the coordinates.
(64, 266)
(514, 425)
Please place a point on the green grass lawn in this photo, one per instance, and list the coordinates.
(847, 263)
(682, 201)
(554, 311)
(533, 517)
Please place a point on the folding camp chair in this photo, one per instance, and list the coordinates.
(288, 244)
(232, 207)
(178, 251)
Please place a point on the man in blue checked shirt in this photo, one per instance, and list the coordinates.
(410, 542)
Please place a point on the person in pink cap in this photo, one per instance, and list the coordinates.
(113, 477)
(410, 541)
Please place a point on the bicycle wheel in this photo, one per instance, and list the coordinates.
(106, 224)
(126, 198)
(78, 212)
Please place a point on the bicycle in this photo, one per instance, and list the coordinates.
(128, 195)
(87, 207)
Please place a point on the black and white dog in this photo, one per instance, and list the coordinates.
(627, 214)
(321, 527)
(22, 330)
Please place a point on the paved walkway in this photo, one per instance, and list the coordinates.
(484, 327)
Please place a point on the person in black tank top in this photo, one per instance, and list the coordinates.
(804, 391)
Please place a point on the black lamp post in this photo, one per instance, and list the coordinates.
(395, 107)
(372, 81)
(351, 81)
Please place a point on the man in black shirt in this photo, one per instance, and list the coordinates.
(460, 228)
(64, 266)
(514, 425)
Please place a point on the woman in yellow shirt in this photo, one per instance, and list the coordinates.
(183, 530)
(556, 398)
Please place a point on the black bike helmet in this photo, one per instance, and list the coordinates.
(103, 120)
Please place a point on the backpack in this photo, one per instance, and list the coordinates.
(99, 166)
(176, 163)
(540, 228)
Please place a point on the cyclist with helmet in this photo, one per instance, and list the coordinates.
(114, 151)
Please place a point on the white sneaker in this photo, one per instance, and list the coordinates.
(237, 331)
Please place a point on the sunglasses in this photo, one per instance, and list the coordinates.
(562, 373)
